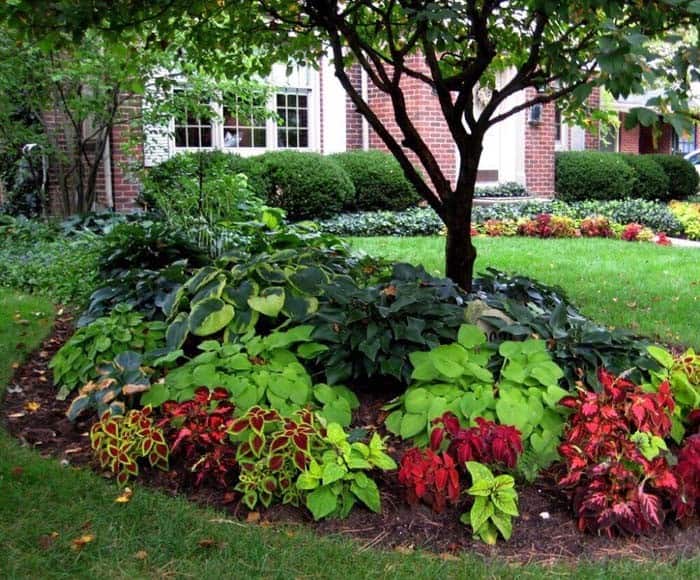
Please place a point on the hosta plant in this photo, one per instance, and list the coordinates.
(336, 477)
(77, 361)
(682, 373)
(495, 504)
(117, 388)
(371, 331)
(119, 442)
(614, 486)
(198, 432)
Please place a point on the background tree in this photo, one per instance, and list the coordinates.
(546, 50)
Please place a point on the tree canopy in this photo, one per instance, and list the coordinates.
(546, 50)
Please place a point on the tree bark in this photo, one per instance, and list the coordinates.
(460, 254)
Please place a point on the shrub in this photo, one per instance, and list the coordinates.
(305, 185)
(548, 226)
(582, 175)
(682, 177)
(186, 172)
(507, 189)
(379, 181)
(651, 181)
(596, 227)
(636, 233)
(412, 222)
(689, 215)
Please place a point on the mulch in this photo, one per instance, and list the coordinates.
(545, 532)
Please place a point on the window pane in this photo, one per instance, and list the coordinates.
(193, 136)
(280, 100)
(291, 100)
(245, 138)
(303, 118)
(206, 137)
(281, 138)
(180, 137)
(302, 101)
(303, 138)
(292, 119)
(292, 139)
(259, 138)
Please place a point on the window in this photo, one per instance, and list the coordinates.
(293, 111)
(557, 124)
(683, 143)
(608, 136)
(245, 125)
(193, 131)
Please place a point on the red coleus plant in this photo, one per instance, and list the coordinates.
(273, 450)
(614, 487)
(430, 477)
(487, 443)
(687, 471)
(433, 476)
(198, 433)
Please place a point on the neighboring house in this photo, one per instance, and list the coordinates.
(317, 116)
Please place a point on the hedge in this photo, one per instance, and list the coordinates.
(651, 181)
(582, 175)
(379, 181)
(682, 177)
(305, 185)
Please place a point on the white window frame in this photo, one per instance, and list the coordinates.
(302, 81)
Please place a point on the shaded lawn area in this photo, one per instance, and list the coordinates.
(44, 507)
(649, 289)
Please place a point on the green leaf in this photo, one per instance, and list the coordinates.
(393, 422)
(177, 331)
(270, 301)
(479, 472)
(504, 525)
(321, 502)
(481, 511)
(505, 502)
(156, 396)
(368, 494)
(470, 336)
(332, 472)
(411, 425)
(664, 358)
(417, 401)
(210, 316)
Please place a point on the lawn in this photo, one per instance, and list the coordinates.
(650, 289)
(44, 507)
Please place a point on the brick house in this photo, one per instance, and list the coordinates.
(320, 117)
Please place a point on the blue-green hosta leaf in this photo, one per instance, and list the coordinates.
(212, 289)
(238, 295)
(299, 307)
(200, 278)
(177, 331)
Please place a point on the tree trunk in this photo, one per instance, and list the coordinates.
(460, 253)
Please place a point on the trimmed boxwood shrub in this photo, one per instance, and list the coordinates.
(305, 185)
(582, 175)
(682, 177)
(651, 181)
(379, 181)
(169, 175)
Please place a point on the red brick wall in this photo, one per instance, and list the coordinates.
(353, 119)
(125, 185)
(629, 138)
(425, 113)
(592, 134)
(539, 151)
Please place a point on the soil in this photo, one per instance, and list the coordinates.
(545, 532)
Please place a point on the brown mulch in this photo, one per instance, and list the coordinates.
(545, 532)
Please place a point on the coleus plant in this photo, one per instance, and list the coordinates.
(687, 471)
(198, 432)
(682, 373)
(430, 477)
(120, 441)
(615, 488)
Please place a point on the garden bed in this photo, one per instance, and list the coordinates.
(399, 526)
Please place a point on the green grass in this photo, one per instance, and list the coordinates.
(650, 289)
(156, 536)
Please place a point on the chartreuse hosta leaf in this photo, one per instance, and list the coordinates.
(455, 377)
(495, 504)
(335, 479)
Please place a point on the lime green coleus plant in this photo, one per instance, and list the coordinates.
(337, 480)
(456, 378)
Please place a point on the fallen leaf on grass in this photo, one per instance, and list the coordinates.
(15, 365)
(448, 557)
(125, 497)
(17, 471)
(82, 541)
(253, 517)
(141, 555)
(32, 406)
(404, 549)
(47, 540)
(207, 543)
